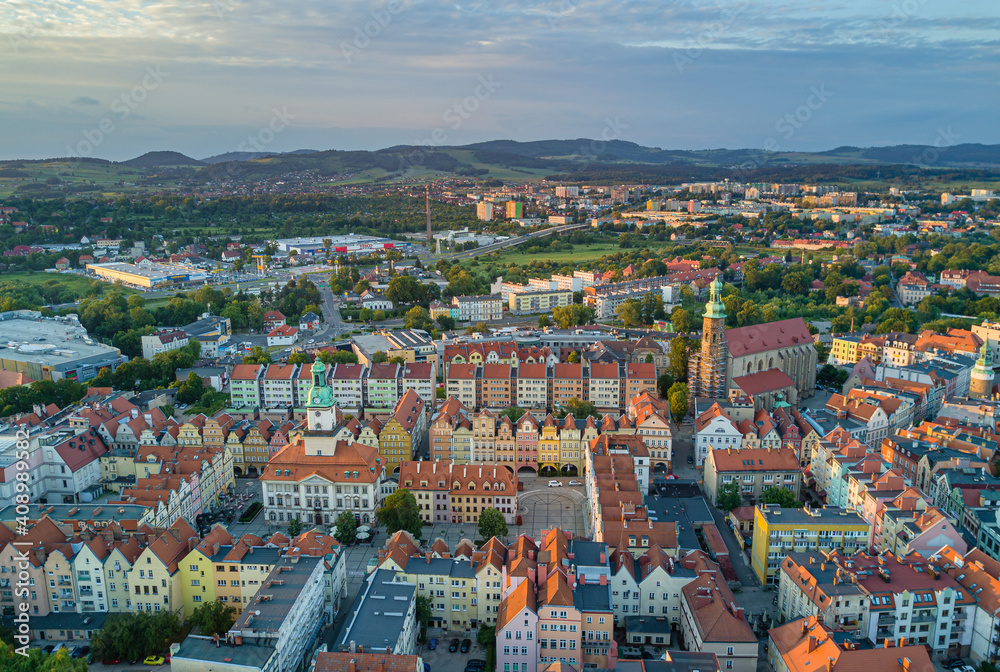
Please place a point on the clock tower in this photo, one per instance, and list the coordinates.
(321, 412)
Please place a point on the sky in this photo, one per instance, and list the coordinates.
(116, 78)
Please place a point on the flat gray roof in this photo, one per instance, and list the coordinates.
(378, 615)
(63, 339)
(250, 655)
(269, 614)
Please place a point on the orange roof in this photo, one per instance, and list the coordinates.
(347, 457)
(754, 459)
(519, 599)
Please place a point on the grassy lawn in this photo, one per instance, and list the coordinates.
(520, 255)
(73, 282)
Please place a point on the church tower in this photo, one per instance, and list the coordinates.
(981, 380)
(707, 368)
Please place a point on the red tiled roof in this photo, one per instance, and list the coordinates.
(769, 336)
(763, 382)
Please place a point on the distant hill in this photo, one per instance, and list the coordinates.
(251, 156)
(156, 159)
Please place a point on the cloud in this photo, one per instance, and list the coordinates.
(897, 68)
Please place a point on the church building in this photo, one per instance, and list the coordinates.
(748, 352)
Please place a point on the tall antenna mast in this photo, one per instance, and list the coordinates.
(430, 236)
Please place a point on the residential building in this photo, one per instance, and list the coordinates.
(755, 469)
(382, 618)
(486, 308)
(404, 434)
(460, 491)
(163, 341)
(287, 610)
(777, 531)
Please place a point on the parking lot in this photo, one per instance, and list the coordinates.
(442, 660)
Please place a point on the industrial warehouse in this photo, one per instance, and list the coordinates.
(346, 244)
(52, 348)
(147, 274)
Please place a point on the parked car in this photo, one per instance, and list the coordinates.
(110, 661)
(453, 647)
(153, 660)
(555, 484)
(690, 460)
(48, 649)
(952, 663)
(80, 651)
(466, 645)
(575, 483)
(475, 664)
(432, 644)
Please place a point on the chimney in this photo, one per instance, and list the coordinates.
(238, 641)
(906, 665)
(353, 665)
(604, 580)
(805, 625)
(813, 643)
(215, 638)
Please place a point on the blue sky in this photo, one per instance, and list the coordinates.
(116, 78)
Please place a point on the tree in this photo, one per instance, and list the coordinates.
(257, 355)
(405, 289)
(446, 322)
(729, 496)
(378, 316)
(379, 357)
(347, 528)
(574, 357)
(294, 527)
(487, 635)
(514, 413)
(544, 321)
(366, 315)
(214, 618)
(778, 495)
(191, 389)
(423, 609)
(37, 661)
(630, 313)
(580, 409)
(678, 399)
(663, 383)
(299, 358)
(418, 318)
(400, 512)
(678, 357)
(491, 524)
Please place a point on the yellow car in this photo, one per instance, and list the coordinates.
(153, 660)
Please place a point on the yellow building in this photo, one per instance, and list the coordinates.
(539, 301)
(548, 444)
(844, 350)
(155, 579)
(779, 531)
(406, 425)
(198, 581)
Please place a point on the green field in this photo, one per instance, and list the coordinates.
(77, 284)
(519, 254)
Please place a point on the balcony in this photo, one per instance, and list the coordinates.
(886, 619)
(925, 618)
(885, 632)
